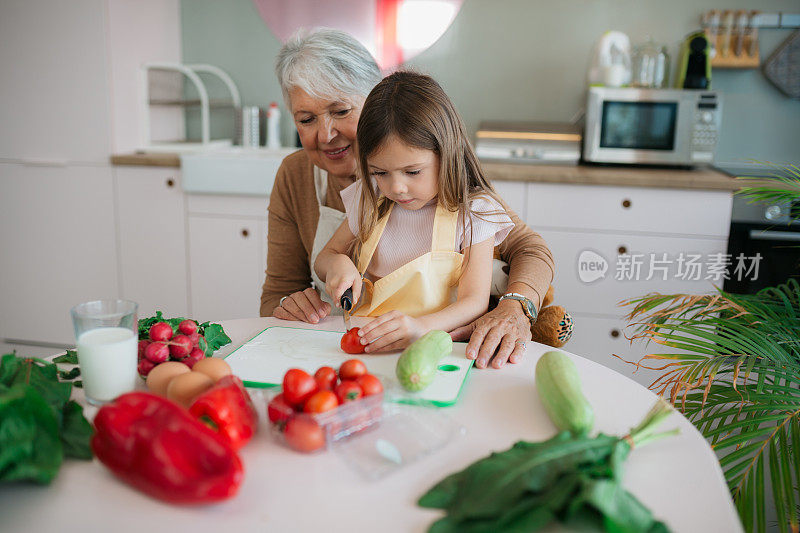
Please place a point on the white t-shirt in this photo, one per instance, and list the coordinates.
(408, 233)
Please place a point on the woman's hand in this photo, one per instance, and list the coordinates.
(391, 331)
(342, 274)
(305, 305)
(504, 330)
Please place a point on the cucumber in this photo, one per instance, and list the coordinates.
(559, 388)
(418, 363)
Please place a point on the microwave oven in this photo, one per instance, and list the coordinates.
(677, 127)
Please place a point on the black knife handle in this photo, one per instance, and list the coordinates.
(347, 299)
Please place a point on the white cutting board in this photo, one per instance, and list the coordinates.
(264, 360)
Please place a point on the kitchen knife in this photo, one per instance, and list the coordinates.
(347, 303)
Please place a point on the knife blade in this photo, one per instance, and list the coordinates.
(347, 303)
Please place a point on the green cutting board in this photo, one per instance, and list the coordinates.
(262, 362)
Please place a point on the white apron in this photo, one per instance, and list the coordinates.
(329, 221)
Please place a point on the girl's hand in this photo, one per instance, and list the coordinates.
(391, 331)
(342, 274)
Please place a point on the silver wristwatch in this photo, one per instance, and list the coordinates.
(527, 305)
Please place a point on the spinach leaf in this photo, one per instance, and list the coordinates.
(39, 425)
(30, 448)
(76, 432)
(215, 337)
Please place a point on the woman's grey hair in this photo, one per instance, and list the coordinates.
(326, 63)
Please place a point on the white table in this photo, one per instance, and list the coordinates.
(678, 478)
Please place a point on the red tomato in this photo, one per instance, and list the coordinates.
(351, 342)
(278, 410)
(321, 401)
(351, 369)
(304, 434)
(369, 384)
(325, 378)
(298, 386)
(348, 391)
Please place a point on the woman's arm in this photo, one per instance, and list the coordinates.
(500, 335)
(335, 267)
(395, 330)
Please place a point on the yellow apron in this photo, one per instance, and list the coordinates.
(422, 286)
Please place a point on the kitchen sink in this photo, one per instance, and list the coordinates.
(232, 170)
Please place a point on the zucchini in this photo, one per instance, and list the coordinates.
(559, 388)
(418, 363)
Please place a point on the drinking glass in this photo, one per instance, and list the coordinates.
(106, 336)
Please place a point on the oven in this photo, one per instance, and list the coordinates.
(768, 234)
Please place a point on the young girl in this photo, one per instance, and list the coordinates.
(423, 241)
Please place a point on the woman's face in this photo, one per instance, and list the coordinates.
(327, 130)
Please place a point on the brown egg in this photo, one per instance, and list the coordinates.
(183, 389)
(213, 367)
(161, 375)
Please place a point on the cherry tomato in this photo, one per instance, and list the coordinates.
(351, 369)
(304, 434)
(279, 410)
(348, 391)
(369, 384)
(321, 401)
(325, 377)
(298, 386)
(351, 342)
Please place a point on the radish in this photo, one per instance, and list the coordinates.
(145, 366)
(194, 356)
(180, 346)
(142, 345)
(156, 352)
(160, 331)
(188, 327)
(194, 337)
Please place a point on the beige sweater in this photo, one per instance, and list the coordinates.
(293, 217)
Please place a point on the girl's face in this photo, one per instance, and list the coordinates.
(406, 175)
(327, 130)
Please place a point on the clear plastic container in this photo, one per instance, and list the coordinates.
(310, 433)
(373, 437)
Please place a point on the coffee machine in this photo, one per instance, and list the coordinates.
(694, 68)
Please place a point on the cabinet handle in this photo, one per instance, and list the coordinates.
(614, 333)
(170, 182)
(245, 232)
(622, 249)
(626, 203)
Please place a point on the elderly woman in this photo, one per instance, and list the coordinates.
(325, 77)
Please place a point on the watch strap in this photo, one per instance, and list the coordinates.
(527, 305)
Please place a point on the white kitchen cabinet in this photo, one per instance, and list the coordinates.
(615, 223)
(600, 339)
(629, 209)
(514, 193)
(57, 235)
(656, 273)
(152, 239)
(55, 104)
(227, 255)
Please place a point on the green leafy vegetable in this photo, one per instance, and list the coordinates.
(39, 424)
(572, 479)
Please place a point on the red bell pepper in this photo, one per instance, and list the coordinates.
(159, 448)
(229, 409)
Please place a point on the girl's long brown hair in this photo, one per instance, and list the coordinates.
(415, 109)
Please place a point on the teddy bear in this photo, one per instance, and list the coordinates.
(554, 324)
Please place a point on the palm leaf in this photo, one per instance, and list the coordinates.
(735, 374)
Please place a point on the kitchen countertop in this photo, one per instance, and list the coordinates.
(148, 160)
(678, 477)
(700, 179)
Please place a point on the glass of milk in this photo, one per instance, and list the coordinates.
(106, 335)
